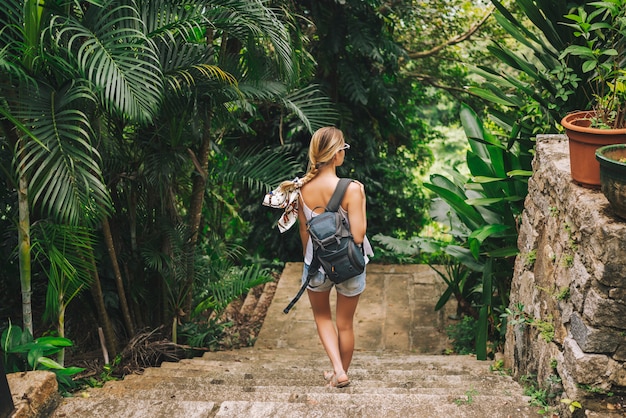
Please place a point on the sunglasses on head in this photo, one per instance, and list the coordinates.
(344, 147)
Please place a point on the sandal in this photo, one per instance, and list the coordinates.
(328, 376)
(335, 382)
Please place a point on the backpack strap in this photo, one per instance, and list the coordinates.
(337, 197)
(333, 206)
(300, 292)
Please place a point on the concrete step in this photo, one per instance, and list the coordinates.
(303, 405)
(220, 393)
(238, 384)
(395, 371)
(134, 408)
(258, 374)
(376, 408)
(195, 384)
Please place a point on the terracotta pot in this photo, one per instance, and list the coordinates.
(583, 143)
(612, 159)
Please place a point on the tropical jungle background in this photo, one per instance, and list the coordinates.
(138, 138)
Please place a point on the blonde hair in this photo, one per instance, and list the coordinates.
(325, 144)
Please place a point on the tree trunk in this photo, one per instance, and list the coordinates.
(61, 355)
(24, 254)
(103, 316)
(23, 235)
(108, 239)
(195, 208)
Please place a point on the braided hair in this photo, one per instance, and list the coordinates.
(325, 144)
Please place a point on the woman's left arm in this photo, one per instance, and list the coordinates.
(354, 202)
(304, 233)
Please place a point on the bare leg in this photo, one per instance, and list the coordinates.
(346, 306)
(339, 344)
(320, 303)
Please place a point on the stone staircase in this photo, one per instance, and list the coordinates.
(397, 371)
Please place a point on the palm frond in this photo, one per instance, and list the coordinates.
(312, 107)
(64, 252)
(262, 90)
(238, 281)
(189, 76)
(409, 247)
(62, 165)
(11, 22)
(113, 52)
(12, 46)
(12, 72)
(258, 169)
(168, 21)
(252, 20)
(352, 84)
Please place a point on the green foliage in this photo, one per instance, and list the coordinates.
(357, 65)
(498, 367)
(206, 335)
(534, 82)
(105, 376)
(357, 59)
(572, 405)
(530, 258)
(602, 32)
(233, 283)
(568, 261)
(595, 390)
(482, 214)
(463, 335)
(538, 395)
(563, 293)
(66, 250)
(125, 125)
(461, 283)
(542, 396)
(469, 397)
(517, 316)
(21, 353)
(545, 328)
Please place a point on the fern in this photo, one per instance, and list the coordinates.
(238, 281)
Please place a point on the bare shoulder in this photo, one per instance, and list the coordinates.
(356, 189)
(356, 186)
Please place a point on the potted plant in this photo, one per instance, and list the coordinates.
(603, 31)
(612, 159)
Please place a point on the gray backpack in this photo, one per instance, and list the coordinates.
(334, 248)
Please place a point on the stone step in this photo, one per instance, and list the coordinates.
(134, 408)
(200, 381)
(375, 408)
(248, 371)
(394, 372)
(221, 393)
(450, 367)
(320, 405)
(290, 356)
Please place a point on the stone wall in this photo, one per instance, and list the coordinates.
(569, 287)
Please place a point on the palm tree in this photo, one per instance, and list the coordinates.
(64, 252)
(119, 110)
(60, 64)
(220, 59)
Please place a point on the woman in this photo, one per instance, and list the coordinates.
(327, 151)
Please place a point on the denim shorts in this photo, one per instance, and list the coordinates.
(320, 283)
